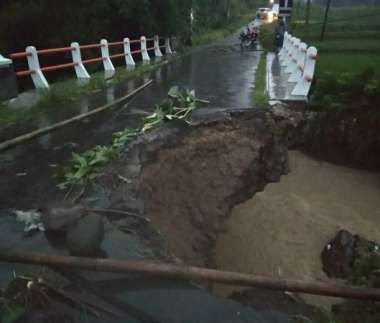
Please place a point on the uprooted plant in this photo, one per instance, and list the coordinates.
(87, 165)
(178, 106)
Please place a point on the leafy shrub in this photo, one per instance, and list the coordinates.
(347, 90)
(87, 165)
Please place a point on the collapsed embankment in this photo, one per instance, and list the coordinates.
(186, 179)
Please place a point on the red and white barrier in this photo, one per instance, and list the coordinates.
(168, 49)
(293, 56)
(109, 69)
(37, 72)
(304, 84)
(298, 61)
(80, 70)
(157, 51)
(38, 77)
(289, 50)
(144, 49)
(129, 61)
(297, 70)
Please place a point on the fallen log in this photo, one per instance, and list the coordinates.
(39, 132)
(193, 273)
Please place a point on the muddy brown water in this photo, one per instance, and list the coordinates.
(281, 231)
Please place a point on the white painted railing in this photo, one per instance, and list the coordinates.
(299, 61)
(37, 73)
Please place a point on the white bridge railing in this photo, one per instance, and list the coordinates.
(299, 62)
(144, 48)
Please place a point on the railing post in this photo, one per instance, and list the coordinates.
(38, 77)
(144, 51)
(108, 66)
(293, 58)
(168, 50)
(8, 82)
(157, 51)
(304, 84)
(127, 51)
(80, 70)
(288, 57)
(298, 69)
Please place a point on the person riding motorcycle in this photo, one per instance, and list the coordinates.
(255, 33)
(249, 34)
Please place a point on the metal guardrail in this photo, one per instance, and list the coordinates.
(36, 72)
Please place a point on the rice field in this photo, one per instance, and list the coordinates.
(352, 38)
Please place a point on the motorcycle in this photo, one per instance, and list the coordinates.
(248, 40)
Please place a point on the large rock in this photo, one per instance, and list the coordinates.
(86, 237)
(340, 253)
(60, 218)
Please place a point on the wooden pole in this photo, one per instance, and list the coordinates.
(307, 16)
(36, 133)
(194, 273)
(325, 19)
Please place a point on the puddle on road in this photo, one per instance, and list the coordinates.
(282, 231)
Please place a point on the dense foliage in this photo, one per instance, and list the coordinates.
(53, 23)
(348, 118)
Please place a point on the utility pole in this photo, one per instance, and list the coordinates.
(307, 16)
(325, 19)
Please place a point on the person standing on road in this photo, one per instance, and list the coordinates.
(279, 32)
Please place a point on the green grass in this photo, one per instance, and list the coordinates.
(343, 63)
(208, 35)
(351, 45)
(260, 96)
(354, 15)
(267, 37)
(352, 39)
(62, 93)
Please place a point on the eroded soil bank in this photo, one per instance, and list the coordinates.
(190, 188)
(188, 178)
(282, 230)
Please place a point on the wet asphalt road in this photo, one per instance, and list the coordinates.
(220, 73)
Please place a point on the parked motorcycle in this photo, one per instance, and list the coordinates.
(248, 39)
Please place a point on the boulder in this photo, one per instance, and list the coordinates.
(340, 253)
(61, 218)
(86, 237)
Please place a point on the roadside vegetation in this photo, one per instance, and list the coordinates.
(62, 93)
(260, 96)
(346, 94)
(204, 35)
(86, 166)
(267, 36)
(352, 38)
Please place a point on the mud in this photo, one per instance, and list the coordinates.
(189, 189)
(283, 230)
(187, 179)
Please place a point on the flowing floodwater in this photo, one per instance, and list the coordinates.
(281, 232)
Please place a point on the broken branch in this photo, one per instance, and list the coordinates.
(195, 273)
(36, 133)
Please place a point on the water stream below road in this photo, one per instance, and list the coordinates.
(282, 231)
